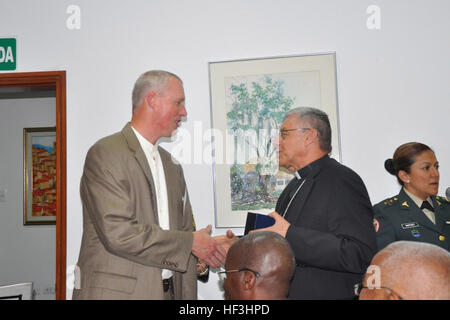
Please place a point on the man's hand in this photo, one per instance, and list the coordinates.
(226, 241)
(281, 225)
(205, 248)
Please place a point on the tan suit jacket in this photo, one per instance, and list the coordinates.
(123, 248)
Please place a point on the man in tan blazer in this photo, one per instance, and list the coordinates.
(138, 239)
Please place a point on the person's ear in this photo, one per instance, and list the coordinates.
(150, 99)
(311, 136)
(404, 176)
(249, 281)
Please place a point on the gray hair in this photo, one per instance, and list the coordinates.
(153, 80)
(316, 119)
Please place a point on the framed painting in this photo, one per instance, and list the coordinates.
(249, 99)
(39, 175)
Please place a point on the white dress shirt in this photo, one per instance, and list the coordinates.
(154, 160)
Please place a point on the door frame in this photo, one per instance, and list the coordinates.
(57, 79)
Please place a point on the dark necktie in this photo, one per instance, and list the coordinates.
(427, 205)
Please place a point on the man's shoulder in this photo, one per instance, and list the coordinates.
(113, 141)
(111, 138)
(110, 147)
(338, 170)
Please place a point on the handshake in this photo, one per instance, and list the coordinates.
(212, 250)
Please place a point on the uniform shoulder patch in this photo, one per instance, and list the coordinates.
(390, 201)
(442, 200)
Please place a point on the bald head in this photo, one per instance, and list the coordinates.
(411, 270)
(269, 255)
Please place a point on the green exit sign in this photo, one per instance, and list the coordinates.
(8, 54)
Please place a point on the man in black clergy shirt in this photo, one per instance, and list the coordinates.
(325, 212)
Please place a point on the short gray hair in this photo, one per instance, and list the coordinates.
(153, 80)
(316, 119)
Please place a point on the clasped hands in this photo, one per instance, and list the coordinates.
(213, 250)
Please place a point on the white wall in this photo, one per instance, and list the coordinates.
(392, 83)
(27, 253)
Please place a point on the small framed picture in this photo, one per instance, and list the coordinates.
(39, 176)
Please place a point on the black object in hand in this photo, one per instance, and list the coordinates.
(257, 221)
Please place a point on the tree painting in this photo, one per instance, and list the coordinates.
(257, 108)
(249, 100)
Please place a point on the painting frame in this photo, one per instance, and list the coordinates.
(39, 196)
(319, 71)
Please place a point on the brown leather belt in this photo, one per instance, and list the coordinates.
(168, 284)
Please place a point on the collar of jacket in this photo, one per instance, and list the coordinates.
(312, 167)
(410, 209)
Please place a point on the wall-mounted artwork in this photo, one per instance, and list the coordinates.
(39, 175)
(249, 99)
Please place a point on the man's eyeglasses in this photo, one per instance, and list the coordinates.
(359, 287)
(223, 274)
(284, 132)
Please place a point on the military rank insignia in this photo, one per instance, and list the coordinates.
(390, 202)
